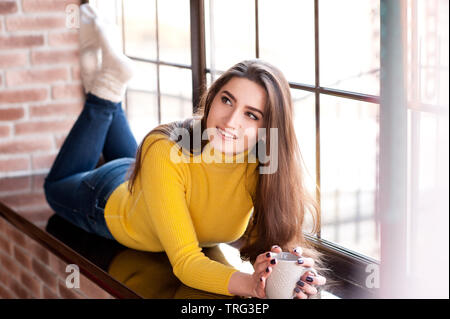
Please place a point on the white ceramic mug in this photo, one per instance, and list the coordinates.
(284, 277)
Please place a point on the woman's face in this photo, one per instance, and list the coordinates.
(239, 110)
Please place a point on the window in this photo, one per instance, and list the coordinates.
(330, 53)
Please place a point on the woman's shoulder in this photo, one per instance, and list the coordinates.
(160, 147)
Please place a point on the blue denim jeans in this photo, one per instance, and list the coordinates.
(74, 188)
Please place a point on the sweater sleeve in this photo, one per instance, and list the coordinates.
(164, 189)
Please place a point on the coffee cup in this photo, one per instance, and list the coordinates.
(284, 277)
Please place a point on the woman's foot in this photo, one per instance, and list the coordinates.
(89, 46)
(109, 80)
(116, 69)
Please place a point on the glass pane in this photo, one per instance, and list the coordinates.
(142, 112)
(176, 94)
(349, 154)
(144, 77)
(305, 129)
(174, 31)
(286, 37)
(140, 28)
(230, 33)
(350, 45)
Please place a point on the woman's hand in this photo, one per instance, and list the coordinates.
(306, 284)
(263, 266)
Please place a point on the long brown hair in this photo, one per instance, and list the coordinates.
(281, 200)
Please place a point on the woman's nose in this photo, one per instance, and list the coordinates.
(232, 120)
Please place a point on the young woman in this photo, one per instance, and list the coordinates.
(216, 194)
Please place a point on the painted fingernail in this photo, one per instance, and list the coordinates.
(273, 261)
(297, 290)
(260, 279)
(300, 283)
(297, 250)
(275, 246)
(268, 255)
(309, 279)
(300, 261)
(267, 269)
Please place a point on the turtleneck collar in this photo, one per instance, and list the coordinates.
(216, 158)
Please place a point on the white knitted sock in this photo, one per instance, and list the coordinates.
(89, 46)
(116, 70)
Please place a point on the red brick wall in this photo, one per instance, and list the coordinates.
(28, 270)
(40, 88)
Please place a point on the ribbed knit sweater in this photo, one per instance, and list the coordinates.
(180, 206)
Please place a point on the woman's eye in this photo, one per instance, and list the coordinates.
(226, 100)
(253, 116)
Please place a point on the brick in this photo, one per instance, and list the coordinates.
(39, 252)
(42, 161)
(24, 77)
(5, 131)
(23, 200)
(21, 41)
(76, 74)
(5, 293)
(32, 23)
(48, 293)
(15, 164)
(23, 95)
(56, 109)
(59, 140)
(46, 5)
(67, 91)
(16, 236)
(58, 265)
(8, 6)
(8, 60)
(31, 283)
(12, 114)
(22, 256)
(55, 56)
(39, 127)
(14, 184)
(37, 182)
(5, 276)
(5, 246)
(63, 38)
(9, 265)
(68, 293)
(19, 290)
(47, 276)
(26, 145)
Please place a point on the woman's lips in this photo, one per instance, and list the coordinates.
(225, 135)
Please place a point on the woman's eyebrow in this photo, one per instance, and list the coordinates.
(250, 107)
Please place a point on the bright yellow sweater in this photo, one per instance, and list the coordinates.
(180, 207)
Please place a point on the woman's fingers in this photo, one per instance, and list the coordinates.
(263, 261)
(311, 279)
(276, 249)
(297, 251)
(299, 294)
(305, 262)
(306, 288)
